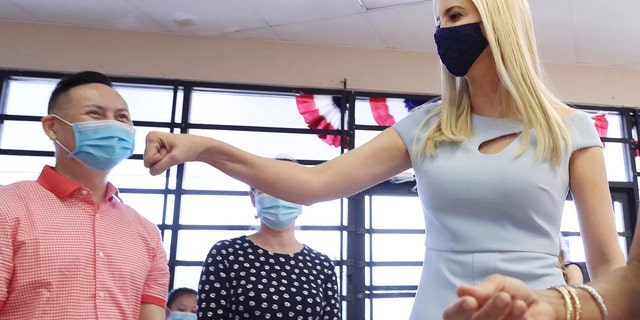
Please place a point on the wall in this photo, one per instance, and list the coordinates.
(114, 52)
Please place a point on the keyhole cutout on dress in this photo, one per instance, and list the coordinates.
(496, 145)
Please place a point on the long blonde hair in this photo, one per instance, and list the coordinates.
(509, 30)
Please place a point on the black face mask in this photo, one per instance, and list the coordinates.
(460, 46)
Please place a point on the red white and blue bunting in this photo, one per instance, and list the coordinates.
(387, 111)
(602, 125)
(322, 112)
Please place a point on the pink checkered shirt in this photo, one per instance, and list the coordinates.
(63, 258)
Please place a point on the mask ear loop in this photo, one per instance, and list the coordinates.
(61, 146)
(254, 194)
(63, 120)
(56, 140)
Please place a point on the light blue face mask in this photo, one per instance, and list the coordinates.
(277, 214)
(181, 315)
(101, 144)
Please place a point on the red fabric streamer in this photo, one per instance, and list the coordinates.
(602, 125)
(320, 112)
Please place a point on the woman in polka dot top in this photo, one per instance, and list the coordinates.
(269, 274)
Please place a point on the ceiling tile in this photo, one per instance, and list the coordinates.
(379, 4)
(608, 34)
(11, 11)
(112, 14)
(258, 34)
(280, 12)
(555, 30)
(352, 31)
(568, 31)
(406, 28)
(210, 17)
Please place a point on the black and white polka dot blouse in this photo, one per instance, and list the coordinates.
(240, 280)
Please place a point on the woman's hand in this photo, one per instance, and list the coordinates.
(501, 298)
(164, 150)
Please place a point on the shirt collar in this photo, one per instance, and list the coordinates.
(64, 187)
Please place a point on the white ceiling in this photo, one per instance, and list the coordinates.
(593, 32)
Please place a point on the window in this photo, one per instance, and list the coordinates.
(195, 205)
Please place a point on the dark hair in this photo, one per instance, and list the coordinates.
(74, 80)
(177, 292)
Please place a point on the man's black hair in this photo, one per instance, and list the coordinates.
(177, 292)
(73, 81)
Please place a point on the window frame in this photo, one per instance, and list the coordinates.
(358, 297)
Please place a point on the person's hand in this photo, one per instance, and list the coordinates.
(499, 298)
(500, 306)
(164, 150)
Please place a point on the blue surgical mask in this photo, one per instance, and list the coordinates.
(101, 144)
(460, 46)
(277, 214)
(181, 315)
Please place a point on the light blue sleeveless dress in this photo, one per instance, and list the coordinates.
(488, 213)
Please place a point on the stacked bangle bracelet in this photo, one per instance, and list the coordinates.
(596, 296)
(573, 307)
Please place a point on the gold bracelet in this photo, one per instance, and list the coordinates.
(567, 301)
(577, 307)
(596, 296)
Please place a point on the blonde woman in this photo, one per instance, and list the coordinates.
(494, 160)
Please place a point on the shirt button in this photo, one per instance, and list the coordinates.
(84, 192)
(100, 254)
(101, 294)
